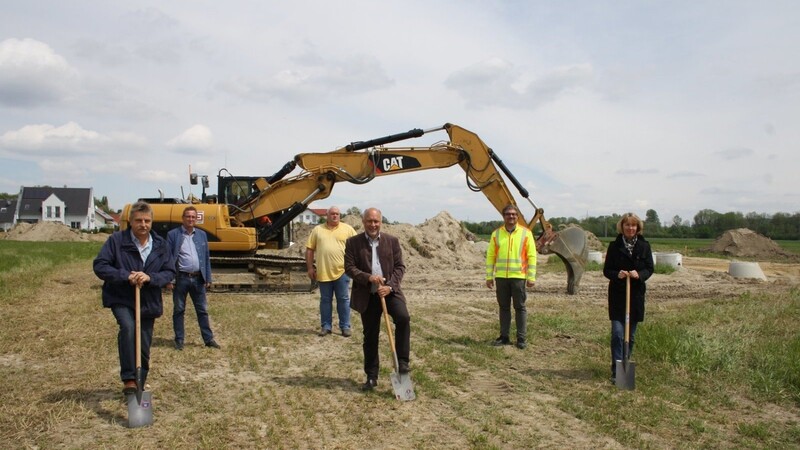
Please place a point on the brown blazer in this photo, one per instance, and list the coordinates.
(358, 266)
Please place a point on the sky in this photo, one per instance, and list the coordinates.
(596, 107)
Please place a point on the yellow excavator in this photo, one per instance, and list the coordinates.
(252, 213)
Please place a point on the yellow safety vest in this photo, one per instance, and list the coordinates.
(511, 255)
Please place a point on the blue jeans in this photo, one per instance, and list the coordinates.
(618, 342)
(340, 287)
(508, 290)
(196, 288)
(126, 342)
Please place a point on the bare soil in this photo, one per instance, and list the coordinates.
(312, 398)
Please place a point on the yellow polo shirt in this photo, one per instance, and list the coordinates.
(328, 246)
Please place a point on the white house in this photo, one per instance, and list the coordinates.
(73, 207)
(102, 218)
(8, 211)
(311, 216)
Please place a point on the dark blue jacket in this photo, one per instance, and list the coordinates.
(617, 258)
(119, 257)
(175, 240)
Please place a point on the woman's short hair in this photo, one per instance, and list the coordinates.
(633, 218)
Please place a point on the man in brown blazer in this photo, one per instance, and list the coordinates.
(374, 261)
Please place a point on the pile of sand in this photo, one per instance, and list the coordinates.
(439, 242)
(743, 242)
(593, 243)
(45, 231)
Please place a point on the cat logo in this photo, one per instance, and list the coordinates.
(393, 162)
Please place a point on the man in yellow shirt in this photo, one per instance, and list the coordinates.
(326, 243)
(511, 263)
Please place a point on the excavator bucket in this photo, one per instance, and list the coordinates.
(570, 245)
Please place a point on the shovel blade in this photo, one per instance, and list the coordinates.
(626, 375)
(140, 413)
(403, 387)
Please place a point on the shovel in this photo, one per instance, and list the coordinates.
(140, 404)
(401, 382)
(626, 370)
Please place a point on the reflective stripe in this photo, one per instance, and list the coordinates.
(511, 255)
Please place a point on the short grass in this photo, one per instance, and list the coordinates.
(720, 373)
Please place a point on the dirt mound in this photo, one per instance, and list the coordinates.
(45, 231)
(439, 242)
(743, 242)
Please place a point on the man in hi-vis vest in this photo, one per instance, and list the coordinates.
(511, 265)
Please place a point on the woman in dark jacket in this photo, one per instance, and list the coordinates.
(129, 258)
(628, 256)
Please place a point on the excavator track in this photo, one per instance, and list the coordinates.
(262, 273)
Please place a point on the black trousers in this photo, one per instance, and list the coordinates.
(372, 321)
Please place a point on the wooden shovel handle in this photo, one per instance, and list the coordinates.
(389, 333)
(138, 315)
(627, 313)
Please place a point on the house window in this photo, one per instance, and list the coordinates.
(49, 213)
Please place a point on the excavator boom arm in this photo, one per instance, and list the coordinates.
(360, 162)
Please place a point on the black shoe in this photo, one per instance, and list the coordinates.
(369, 385)
(502, 340)
(212, 344)
(403, 367)
(178, 345)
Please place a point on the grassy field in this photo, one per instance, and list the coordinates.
(712, 373)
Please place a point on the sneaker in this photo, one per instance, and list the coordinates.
(521, 345)
(212, 344)
(346, 332)
(178, 345)
(324, 331)
(502, 340)
(129, 387)
(369, 385)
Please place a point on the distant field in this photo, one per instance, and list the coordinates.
(685, 246)
(695, 247)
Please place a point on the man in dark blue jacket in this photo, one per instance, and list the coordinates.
(188, 246)
(130, 258)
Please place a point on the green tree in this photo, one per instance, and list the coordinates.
(102, 203)
(705, 222)
(652, 222)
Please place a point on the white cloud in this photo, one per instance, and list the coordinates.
(496, 82)
(314, 79)
(735, 153)
(158, 176)
(32, 74)
(33, 141)
(198, 138)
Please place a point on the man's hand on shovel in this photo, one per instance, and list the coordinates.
(138, 278)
